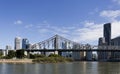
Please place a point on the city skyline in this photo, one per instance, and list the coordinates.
(80, 21)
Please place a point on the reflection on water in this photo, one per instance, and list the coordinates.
(62, 68)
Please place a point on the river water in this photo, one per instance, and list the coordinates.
(62, 68)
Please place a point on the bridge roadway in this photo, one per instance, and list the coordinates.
(73, 50)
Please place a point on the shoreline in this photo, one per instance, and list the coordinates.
(16, 60)
(31, 61)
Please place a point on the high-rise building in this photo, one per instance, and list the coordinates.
(105, 41)
(116, 44)
(102, 56)
(25, 43)
(107, 33)
(17, 42)
(8, 47)
(101, 41)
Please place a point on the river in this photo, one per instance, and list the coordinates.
(62, 68)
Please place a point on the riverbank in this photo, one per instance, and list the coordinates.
(16, 60)
(37, 60)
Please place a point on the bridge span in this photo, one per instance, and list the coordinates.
(73, 50)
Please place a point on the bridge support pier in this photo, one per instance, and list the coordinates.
(60, 53)
(27, 53)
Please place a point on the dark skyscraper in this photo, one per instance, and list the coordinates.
(25, 43)
(107, 33)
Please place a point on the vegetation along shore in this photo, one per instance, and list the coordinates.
(20, 57)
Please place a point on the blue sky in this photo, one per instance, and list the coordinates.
(37, 20)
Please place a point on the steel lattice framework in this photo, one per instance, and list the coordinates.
(59, 42)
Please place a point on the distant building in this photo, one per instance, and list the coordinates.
(101, 41)
(115, 41)
(89, 56)
(107, 33)
(25, 43)
(77, 55)
(29, 46)
(17, 43)
(8, 47)
(102, 56)
(104, 42)
(116, 44)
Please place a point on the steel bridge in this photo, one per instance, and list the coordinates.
(72, 50)
(59, 42)
(65, 47)
(78, 54)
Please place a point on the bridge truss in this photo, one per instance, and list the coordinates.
(59, 42)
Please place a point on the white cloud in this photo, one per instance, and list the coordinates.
(94, 31)
(90, 32)
(29, 26)
(18, 22)
(42, 31)
(110, 14)
(113, 15)
(115, 29)
(88, 23)
(117, 1)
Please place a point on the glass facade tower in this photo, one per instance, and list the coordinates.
(25, 43)
(107, 33)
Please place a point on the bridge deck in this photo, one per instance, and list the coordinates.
(73, 50)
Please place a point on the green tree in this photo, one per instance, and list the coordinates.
(11, 54)
(34, 56)
(1, 54)
(54, 55)
(20, 53)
